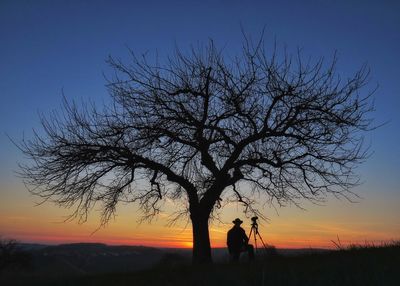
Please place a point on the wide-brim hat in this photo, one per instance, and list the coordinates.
(238, 220)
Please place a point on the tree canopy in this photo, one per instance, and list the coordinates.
(205, 128)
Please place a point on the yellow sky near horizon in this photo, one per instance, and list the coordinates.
(372, 219)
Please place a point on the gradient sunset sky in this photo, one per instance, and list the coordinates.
(47, 47)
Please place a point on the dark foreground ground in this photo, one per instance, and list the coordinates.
(353, 266)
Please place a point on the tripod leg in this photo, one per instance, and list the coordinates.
(251, 231)
(255, 238)
(259, 235)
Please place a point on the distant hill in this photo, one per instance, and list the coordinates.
(31, 246)
(91, 258)
(356, 265)
(94, 258)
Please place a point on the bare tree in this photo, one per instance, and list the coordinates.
(205, 128)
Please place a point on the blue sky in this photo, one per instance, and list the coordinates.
(50, 46)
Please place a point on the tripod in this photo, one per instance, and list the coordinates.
(254, 231)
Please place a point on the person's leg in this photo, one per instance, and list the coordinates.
(235, 256)
(250, 251)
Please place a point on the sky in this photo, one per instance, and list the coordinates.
(52, 47)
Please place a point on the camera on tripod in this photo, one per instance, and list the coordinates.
(255, 233)
(254, 221)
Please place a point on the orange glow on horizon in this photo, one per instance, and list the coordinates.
(279, 235)
(188, 244)
(179, 241)
(293, 244)
(292, 228)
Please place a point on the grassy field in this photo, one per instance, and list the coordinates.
(367, 265)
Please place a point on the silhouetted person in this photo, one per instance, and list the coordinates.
(237, 241)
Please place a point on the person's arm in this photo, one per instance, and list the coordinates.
(244, 237)
(228, 241)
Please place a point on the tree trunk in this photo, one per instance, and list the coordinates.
(201, 239)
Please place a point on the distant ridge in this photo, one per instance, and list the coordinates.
(91, 258)
(356, 265)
